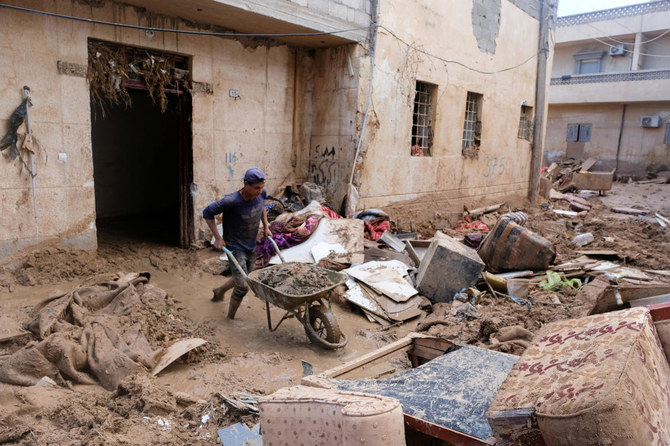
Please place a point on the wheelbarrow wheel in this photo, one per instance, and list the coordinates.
(322, 329)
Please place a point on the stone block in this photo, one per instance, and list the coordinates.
(596, 380)
(447, 267)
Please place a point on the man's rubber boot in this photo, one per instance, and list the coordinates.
(233, 306)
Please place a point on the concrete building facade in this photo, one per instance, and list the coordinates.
(454, 81)
(610, 89)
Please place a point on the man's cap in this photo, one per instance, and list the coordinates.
(254, 175)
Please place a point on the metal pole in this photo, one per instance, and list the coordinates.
(547, 14)
(26, 94)
(618, 144)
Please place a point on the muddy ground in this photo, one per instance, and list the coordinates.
(243, 359)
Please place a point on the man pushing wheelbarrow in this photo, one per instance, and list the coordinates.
(242, 211)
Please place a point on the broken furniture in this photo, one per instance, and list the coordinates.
(306, 415)
(596, 380)
(600, 181)
(445, 395)
(447, 267)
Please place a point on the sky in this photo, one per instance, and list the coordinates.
(569, 7)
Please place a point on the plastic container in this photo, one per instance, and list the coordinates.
(583, 239)
(510, 246)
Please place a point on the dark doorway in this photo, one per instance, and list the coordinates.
(142, 162)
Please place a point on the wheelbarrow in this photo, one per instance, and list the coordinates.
(312, 310)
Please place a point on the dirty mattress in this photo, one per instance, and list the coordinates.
(453, 390)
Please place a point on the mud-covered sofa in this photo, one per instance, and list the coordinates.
(597, 380)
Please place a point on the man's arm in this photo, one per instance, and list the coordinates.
(218, 240)
(208, 215)
(266, 225)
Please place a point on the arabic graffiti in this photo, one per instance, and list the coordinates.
(323, 168)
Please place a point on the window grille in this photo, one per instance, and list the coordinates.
(526, 123)
(472, 125)
(422, 126)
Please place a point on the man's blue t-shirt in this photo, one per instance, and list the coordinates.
(240, 219)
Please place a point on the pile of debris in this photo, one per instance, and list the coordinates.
(491, 279)
(101, 332)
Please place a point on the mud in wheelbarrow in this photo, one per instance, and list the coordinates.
(313, 310)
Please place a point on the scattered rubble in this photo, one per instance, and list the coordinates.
(489, 279)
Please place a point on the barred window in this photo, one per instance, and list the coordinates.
(472, 125)
(422, 120)
(526, 123)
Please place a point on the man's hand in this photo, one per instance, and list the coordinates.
(218, 244)
(267, 231)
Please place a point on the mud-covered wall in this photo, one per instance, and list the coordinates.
(430, 43)
(641, 150)
(335, 90)
(229, 134)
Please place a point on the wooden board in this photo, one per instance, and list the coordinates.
(599, 252)
(175, 351)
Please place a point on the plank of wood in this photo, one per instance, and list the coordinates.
(404, 344)
(174, 352)
(586, 165)
(599, 252)
(630, 211)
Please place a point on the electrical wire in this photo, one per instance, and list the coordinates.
(176, 31)
(642, 42)
(618, 41)
(629, 51)
(419, 50)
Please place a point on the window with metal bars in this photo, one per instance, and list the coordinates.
(422, 120)
(526, 123)
(472, 125)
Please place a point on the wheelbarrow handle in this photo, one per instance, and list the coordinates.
(235, 262)
(277, 249)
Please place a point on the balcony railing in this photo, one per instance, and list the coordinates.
(614, 13)
(610, 77)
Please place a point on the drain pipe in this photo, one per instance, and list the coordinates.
(618, 144)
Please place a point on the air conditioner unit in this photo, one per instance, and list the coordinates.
(617, 50)
(650, 121)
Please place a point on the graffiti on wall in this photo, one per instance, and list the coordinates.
(323, 169)
(231, 160)
(494, 166)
